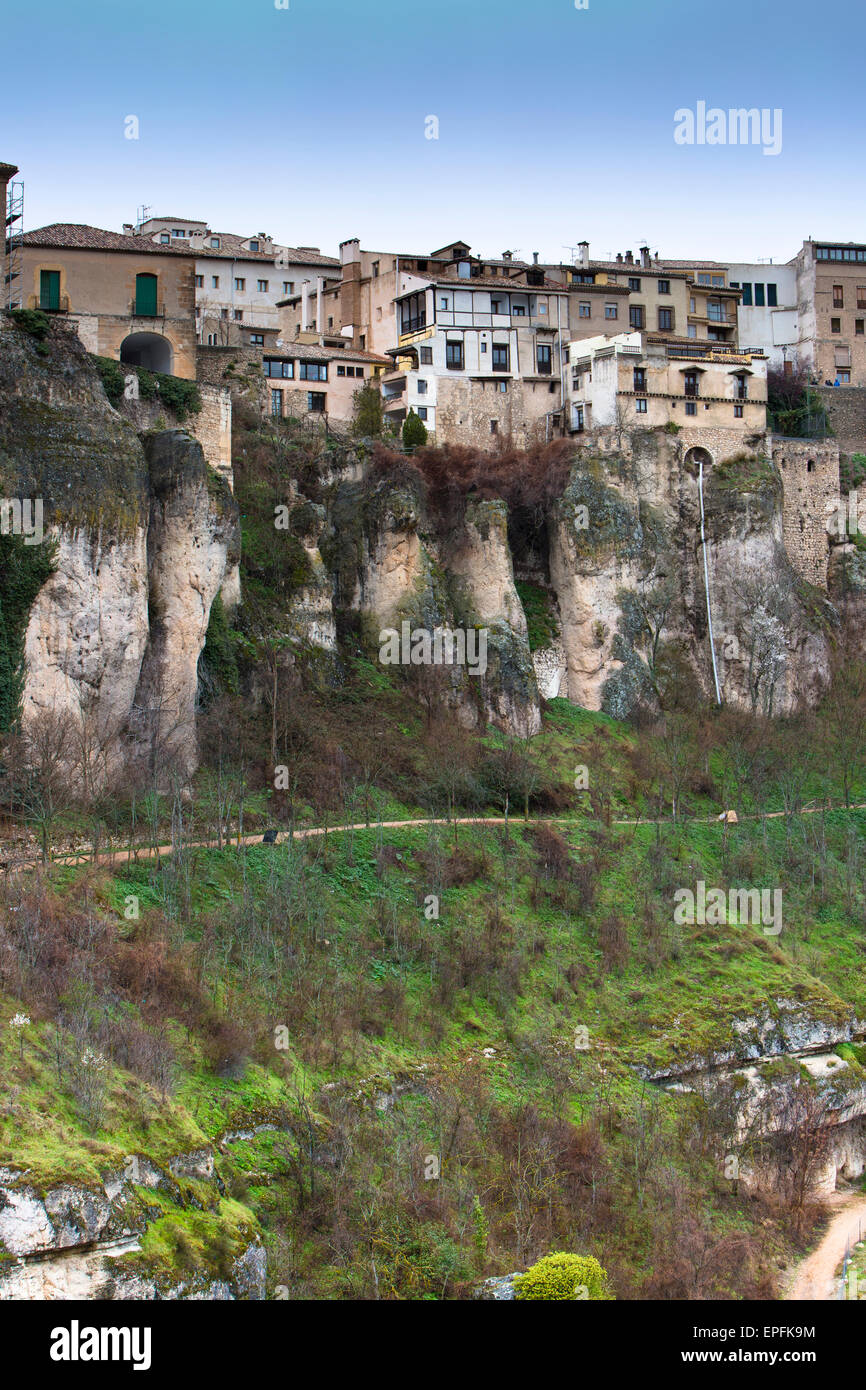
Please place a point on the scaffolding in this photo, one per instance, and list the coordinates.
(13, 281)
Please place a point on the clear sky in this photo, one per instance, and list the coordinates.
(556, 124)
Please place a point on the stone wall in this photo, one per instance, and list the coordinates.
(809, 469)
(212, 427)
(473, 412)
(238, 368)
(846, 410)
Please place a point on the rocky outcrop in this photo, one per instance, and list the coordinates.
(145, 535)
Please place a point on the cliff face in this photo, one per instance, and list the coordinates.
(144, 533)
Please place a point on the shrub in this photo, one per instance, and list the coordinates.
(32, 321)
(561, 1277)
(414, 432)
(368, 419)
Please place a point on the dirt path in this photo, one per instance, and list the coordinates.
(815, 1277)
(144, 852)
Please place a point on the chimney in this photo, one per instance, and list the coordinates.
(350, 251)
(507, 255)
(583, 253)
(305, 306)
(535, 258)
(645, 257)
(619, 258)
(629, 258)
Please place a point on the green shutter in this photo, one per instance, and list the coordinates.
(145, 296)
(49, 289)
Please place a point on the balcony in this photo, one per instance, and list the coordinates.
(155, 311)
(58, 304)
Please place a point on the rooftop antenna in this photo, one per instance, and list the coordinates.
(573, 250)
(141, 216)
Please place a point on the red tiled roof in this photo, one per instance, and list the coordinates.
(77, 236)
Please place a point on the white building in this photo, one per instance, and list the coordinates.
(239, 280)
(767, 313)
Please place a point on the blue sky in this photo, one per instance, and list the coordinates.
(555, 124)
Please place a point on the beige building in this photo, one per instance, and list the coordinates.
(636, 380)
(310, 379)
(131, 300)
(831, 289)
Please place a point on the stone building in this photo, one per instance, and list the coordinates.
(465, 341)
(641, 380)
(831, 292)
(303, 380)
(809, 469)
(131, 300)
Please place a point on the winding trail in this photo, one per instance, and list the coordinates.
(816, 1276)
(144, 852)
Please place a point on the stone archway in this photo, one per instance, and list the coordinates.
(697, 455)
(148, 350)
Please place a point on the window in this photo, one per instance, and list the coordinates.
(341, 371)
(257, 340)
(692, 382)
(425, 355)
(313, 371)
(211, 340)
(254, 246)
(145, 296)
(165, 238)
(577, 419)
(375, 269)
(741, 386)
(316, 402)
(692, 330)
(413, 312)
(692, 304)
(238, 315)
(738, 412)
(224, 313)
(422, 412)
(747, 294)
(215, 241)
(844, 378)
(861, 296)
(772, 299)
(276, 401)
(501, 357)
(584, 310)
(664, 286)
(199, 282)
(262, 286)
(422, 387)
(443, 303)
(330, 322)
(483, 347)
(178, 231)
(858, 327)
(494, 426)
(759, 296)
(666, 320)
(454, 356)
(543, 359)
(838, 297)
(610, 311)
(496, 306)
(718, 279)
(288, 287)
(640, 379)
(240, 284)
(634, 283)
(691, 408)
(214, 282)
(835, 325)
(502, 386)
(519, 310)
(640, 405)
(49, 289)
(362, 340)
(703, 279)
(272, 366)
(636, 315)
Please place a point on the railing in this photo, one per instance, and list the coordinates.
(137, 313)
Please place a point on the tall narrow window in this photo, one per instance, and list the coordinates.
(501, 357)
(544, 362)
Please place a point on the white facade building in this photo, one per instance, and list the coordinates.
(767, 313)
